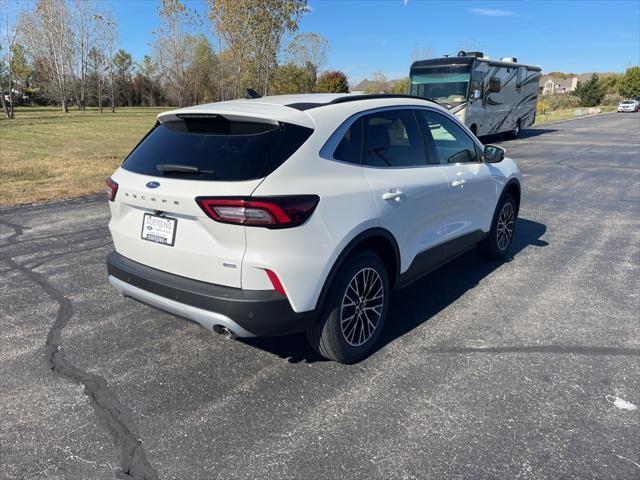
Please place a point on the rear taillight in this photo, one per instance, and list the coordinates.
(270, 212)
(112, 189)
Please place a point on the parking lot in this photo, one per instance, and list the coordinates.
(524, 369)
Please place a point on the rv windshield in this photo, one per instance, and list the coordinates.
(450, 88)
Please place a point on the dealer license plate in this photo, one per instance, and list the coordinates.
(159, 229)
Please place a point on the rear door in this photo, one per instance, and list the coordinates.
(472, 189)
(409, 191)
(155, 219)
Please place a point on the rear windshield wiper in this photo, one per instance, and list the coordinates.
(177, 168)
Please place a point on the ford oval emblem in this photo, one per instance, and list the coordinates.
(153, 184)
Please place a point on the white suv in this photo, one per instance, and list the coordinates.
(285, 214)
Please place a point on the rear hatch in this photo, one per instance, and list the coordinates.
(155, 219)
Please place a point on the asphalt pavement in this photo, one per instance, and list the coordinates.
(526, 369)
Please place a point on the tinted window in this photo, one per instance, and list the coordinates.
(452, 144)
(219, 148)
(392, 139)
(350, 147)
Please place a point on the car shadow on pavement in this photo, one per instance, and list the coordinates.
(524, 134)
(420, 301)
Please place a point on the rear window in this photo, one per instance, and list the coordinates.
(215, 148)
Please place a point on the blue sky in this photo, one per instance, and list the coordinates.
(369, 35)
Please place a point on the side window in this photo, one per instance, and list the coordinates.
(350, 147)
(392, 139)
(494, 85)
(477, 83)
(451, 142)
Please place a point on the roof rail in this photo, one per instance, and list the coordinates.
(358, 97)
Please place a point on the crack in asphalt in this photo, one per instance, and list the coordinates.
(117, 417)
(56, 256)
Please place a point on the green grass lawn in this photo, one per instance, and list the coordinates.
(46, 154)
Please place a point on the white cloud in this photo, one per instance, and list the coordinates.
(405, 2)
(490, 12)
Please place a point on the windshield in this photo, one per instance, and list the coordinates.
(450, 88)
(628, 102)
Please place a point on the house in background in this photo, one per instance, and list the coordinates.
(550, 85)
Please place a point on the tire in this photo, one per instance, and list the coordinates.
(515, 133)
(334, 336)
(494, 245)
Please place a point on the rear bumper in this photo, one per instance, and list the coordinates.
(247, 313)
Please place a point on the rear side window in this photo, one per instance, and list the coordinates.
(350, 147)
(392, 139)
(215, 148)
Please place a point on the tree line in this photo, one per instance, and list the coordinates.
(66, 52)
(605, 89)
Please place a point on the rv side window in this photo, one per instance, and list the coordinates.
(494, 85)
(452, 144)
(477, 83)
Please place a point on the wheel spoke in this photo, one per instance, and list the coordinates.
(362, 306)
(506, 221)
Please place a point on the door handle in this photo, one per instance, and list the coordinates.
(458, 183)
(393, 194)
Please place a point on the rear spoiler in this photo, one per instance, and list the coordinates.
(243, 110)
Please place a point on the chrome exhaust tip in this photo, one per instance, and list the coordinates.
(225, 332)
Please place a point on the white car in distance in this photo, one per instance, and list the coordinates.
(628, 106)
(302, 213)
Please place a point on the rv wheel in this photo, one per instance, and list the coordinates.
(515, 133)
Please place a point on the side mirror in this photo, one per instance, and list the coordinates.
(493, 154)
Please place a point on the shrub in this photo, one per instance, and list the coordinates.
(332, 82)
(289, 79)
(612, 99)
(629, 83)
(559, 101)
(590, 92)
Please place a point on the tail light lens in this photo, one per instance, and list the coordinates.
(112, 189)
(270, 212)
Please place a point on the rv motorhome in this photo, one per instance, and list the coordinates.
(488, 96)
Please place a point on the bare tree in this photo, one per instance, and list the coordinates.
(97, 66)
(110, 36)
(308, 49)
(252, 31)
(174, 47)
(49, 39)
(86, 27)
(232, 22)
(379, 84)
(9, 31)
(275, 18)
